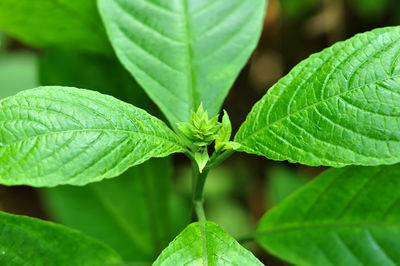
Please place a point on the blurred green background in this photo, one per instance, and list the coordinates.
(237, 193)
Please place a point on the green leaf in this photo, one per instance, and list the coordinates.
(297, 9)
(103, 74)
(370, 9)
(184, 52)
(338, 107)
(30, 240)
(282, 182)
(224, 134)
(60, 23)
(201, 157)
(58, 135)
(3, 41)
(188, 248)
(18, 70)
(131, 211)
(347, 216)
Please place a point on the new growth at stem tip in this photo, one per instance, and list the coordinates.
(201, 131)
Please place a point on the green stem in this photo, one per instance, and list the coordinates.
(198, 207)
(218, 158)
(199, 180)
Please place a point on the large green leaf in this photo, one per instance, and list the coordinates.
(338, 107)
(347, 216)
(215, 247)
(184, 52)
(130, 213)
(59, 135)
(30, 241)
(73, 24)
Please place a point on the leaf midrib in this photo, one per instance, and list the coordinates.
(190, 74)
(313, 105)
(93, 130)
(323, 226)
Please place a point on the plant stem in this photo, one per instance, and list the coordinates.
(199, 180)
(218, 158)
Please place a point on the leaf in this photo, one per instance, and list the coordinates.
(55, 23)
(369, 9)
(103, 74)
(347, 216)
(201, 157)
(184, 52)
(282, 181)
(130, 212)
(297, 9)
(24, 240)
(58, 135)
(18, 70)
(336, 108)
(224, 134)
(187, 248)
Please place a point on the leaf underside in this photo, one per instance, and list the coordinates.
(30, 241)
(338, 107)
(184, 52)
(221, 249)
(347, 216)
(59, 135)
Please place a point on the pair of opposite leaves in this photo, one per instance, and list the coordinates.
(341, 101)
(338, 107)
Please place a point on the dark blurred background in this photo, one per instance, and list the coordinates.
(240, 191)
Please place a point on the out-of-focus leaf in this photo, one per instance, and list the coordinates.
(295, 9)
(72, 24)
(184, 52)
(230, 215)
(18, 71)
(106, 75)
(130, 213)
(338, 107)
(347, 216)
(58, 135)
(3, 40)
(370, 8)
(30, 241)
(281, 183)
(205, 246)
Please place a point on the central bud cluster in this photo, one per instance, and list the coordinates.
(200, 131)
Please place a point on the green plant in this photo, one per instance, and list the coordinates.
(338, 108)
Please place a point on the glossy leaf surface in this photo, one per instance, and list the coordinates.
(131, 213)
(216, 247)
(26, 240)
(184, 52)
(59, 135)
(72, 24)
(338, 107)
(347, 216)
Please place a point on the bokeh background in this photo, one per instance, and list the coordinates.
(240, 191)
